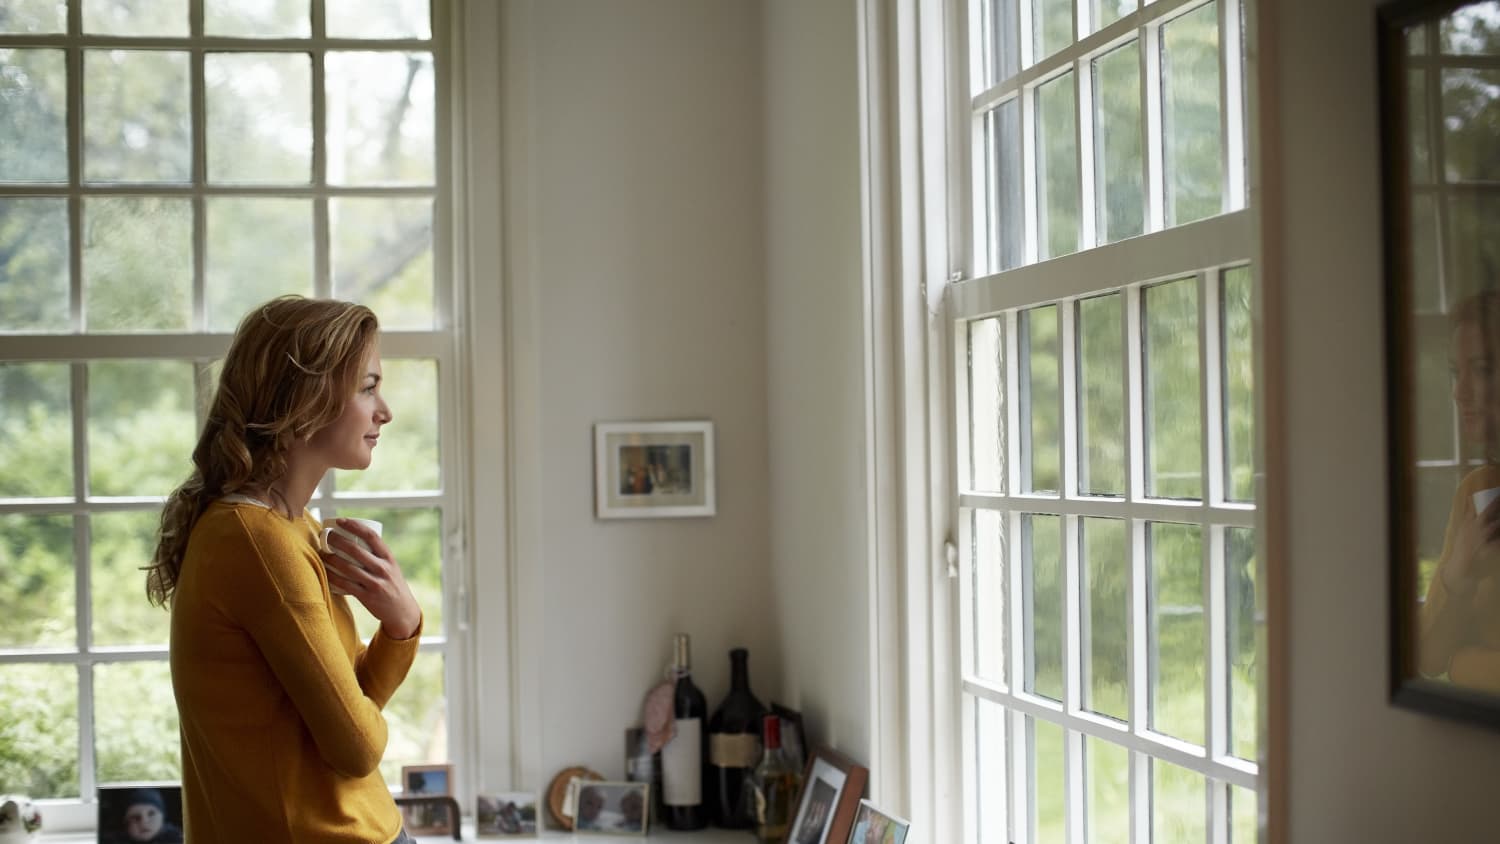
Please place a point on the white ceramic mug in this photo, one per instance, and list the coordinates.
(369, 523)
(1483, 497)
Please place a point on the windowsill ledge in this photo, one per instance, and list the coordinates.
(707, 836)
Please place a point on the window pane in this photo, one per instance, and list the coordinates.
(1472, 30)
(137, 263)
(1179, 809)
(1057, 168)
(407, 458)
(1474, 221)
(1426, 281)
(1420, 163)
(1471, 108)
(1192, 136)
(1176, 638)
(382, 256)
(1105, 597)
(1041, 573)
(378, 19)
(1174, 432)
(136, 735)
(1239, 387)
(1107, 12)
(120, 544)
(1003, 183)
(1042, 434)
(1241, 815)
(1434, 421)
(992, 787)
(380, 118)
(1002, 46)
(141, 427)
(257, 248)
(1107, 784)
(36, 431)
(1119, 163)
(39, 733)
(135, 17)
(34, 243)
(417, 719)
(1052, 27)
(1101, 399)
(135, 124)
(987, 404)
(258, 117)
(33, 16)
(1048, 787)
(415, 537)
(989, 595)
(1243, 627)
(36, 607)
(257, 18)
(33, 122)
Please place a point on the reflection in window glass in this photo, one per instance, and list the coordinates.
(37, 605)
(1107, 785)
(1041, 576)
(136, 735)
(40, 702)
(34, 237)
(1005, 238)
(407, 458)
(1474, 220)
(1239, 386)
(1179, 813)
(1175, 640)
(1174, 432)
(120, 545)
(1040, 419)
(36, 431)
(1473, 30)
(137, 263)
(141, 427)
(1057, 168)
(989, 595)
(137, 116)
(1105, 613)
(1420, 162)
(1471, 102)
(382, 256)
(1101, 397)
(258, 248)
(33, 122)
(1119, 165)
(987, 405)
(1190, 79)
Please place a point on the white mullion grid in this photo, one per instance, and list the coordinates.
(1137, 660)
(1072, 678)
(322, 261)
(1022, 817)
(1211, 565)
(1025, 34)
(985, 253)
(1218, 680)
(962, 412)
(198, 120)
(1012, 447)
(82, 590)
(1097, 506)
(1152, 141)
(1088, 199)
(1232, 106)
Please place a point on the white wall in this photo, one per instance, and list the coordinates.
(1358, 770)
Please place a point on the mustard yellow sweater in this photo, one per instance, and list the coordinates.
(280, 704)
(1460, 635)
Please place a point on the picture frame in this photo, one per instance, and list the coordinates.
(873, 826)
(430, 814)
(832, 785)
(426, 780)
(130, 812)
(506, 814)
(793, 738)
(604, 807)
(1441, 248)
(654, 469)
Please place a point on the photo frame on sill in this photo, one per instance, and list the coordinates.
(611, 808)
(146, 811)
(654, 469)
(832, 786)
(872, 826)
(506, 814)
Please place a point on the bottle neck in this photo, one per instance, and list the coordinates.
(739, 671)
(681, 656)
(771, 734)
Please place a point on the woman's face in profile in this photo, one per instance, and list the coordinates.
(1474, 384)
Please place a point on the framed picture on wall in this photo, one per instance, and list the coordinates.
(653, 469)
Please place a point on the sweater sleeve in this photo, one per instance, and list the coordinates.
(1443, 623)
(382, 665)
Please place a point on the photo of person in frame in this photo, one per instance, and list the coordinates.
(140, 815)
(816, 812)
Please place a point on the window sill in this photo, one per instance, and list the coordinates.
(707, 836)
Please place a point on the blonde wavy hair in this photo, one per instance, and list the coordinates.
(292, 367)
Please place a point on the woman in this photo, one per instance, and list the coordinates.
(280, 704)
(1460, 620)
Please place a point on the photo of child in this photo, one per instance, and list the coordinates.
(140, 815)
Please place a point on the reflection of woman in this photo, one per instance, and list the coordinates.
(1460, 620)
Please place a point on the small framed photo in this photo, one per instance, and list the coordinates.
(425, 780)
(430, 814)
(793, 742)
(611, 808)
(138, 812)
(507, 813)
(831, 789)
(653, 469)
(872, 826)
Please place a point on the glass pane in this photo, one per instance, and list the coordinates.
(141, 427)
(1048, 787)
(1194, 159)
(417, 719)
(1041, 578)
(1179, 807)
(135, 17)
(1473, 30)
(257, 18)
(1176, 638)
(1426, 282)
(1239, 387)
(1105, 596)
(137, 263)
(378, 19)
(1416, 40)
(33, 262)
(382, 257)
(1040, 417)
(36, 607)
(1242, 822)
(1420, 162)
(1243, 631)
(1107, 783)
(135, 126)
(1119, 165)
(1174, 427)
(36, 430)
(32, 16)
(120, 545)
(39, 733)
(259, 117)
(380, 118)
(1471, 109)
(415, 537)
(1434, 422)
(33, 86)
(258, 248)
(989, 595)
(1052, 27)
(136, 735)
(1004, 220)
(1057, 168)
(1002, 46)
(1101, 399)
(992, 784)
(1107, 12)
(407, 458)
(1474, 221)
(987, 404)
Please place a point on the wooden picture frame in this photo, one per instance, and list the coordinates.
(654, 469)
(832, 785)
(1440, 157)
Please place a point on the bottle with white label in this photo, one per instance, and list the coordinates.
(683, 759)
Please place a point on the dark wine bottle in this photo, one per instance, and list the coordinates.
(734, 735)
(684, 759)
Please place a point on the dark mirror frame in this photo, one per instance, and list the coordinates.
(1408, 688)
